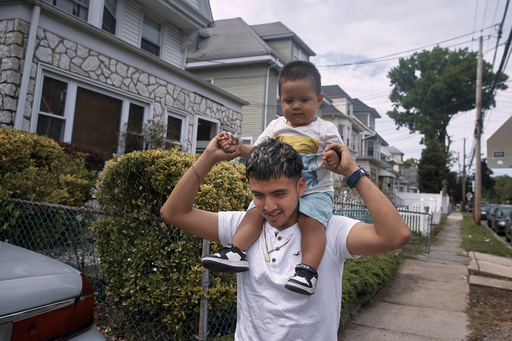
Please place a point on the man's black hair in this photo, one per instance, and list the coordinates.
(273, 158)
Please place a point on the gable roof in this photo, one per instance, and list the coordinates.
(229, 38)
(277, 30)
(334, 91)
(394, 150)
(360, 107)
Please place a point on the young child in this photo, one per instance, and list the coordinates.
(300, 96)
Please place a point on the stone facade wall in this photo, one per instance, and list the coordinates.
(12, 50)
(52, 49)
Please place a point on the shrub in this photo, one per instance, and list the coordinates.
(35, 168)
(94, 159)
(150, 266)
(363, 276)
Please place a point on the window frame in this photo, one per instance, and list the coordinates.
(115, 16)
(198, 117)
(185, 118)
(70, 102)
(58, 4)
(160, 35)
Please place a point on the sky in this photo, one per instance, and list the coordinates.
(346, 34)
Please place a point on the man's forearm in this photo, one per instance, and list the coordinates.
(388, 224)
(181, 200)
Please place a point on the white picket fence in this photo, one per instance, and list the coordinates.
(433, 204)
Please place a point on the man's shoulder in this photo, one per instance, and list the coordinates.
(338, 222)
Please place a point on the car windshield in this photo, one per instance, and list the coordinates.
(506, 211)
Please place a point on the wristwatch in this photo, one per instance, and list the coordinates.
(354, 177)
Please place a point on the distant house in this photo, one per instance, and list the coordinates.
(245, 60)
(338, 108)
(85, 71)
(351, 117)
(499, 147)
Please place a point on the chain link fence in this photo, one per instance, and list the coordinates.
(63, 233)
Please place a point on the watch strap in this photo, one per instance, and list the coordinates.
(354, 177)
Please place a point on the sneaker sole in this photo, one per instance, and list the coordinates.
(224, 265)
(299, 288)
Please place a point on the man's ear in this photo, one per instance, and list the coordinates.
(301, 186)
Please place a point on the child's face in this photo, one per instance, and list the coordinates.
(299, 102)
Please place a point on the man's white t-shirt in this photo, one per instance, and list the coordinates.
(266, 310)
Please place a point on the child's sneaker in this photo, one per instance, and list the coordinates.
(304, 281)
(229, 259)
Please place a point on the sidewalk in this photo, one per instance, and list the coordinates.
(426, 300)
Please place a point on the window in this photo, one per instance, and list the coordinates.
(370, 148)
(134, 139)
(247, 140)
(97, 120)
(176, 129)
(298, 53)
(73, 112)
(51, 119)
(79, 8)
(206, 130)
(150, 36)
(341, 131)
(109, 16)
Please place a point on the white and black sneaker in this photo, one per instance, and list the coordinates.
(304, 281)
(229, 259)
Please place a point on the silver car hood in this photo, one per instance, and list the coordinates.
(29, 279)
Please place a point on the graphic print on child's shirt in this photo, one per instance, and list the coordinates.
(308, 148)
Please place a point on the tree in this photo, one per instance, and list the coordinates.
(411, 162)
(501, 193)
(430, 87)
(454, 187)
(487, 182)
(432, 168)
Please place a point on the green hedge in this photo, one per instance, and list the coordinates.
(363, 276)
(36, 168)
(151, 267)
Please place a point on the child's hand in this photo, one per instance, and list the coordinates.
(340, 163)
(228, 142)
(331, 159)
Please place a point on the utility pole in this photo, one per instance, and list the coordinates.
(463, 208)
(478, 131)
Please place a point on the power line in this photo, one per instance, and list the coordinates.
(394, 55)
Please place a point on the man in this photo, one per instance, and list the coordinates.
(266, 310)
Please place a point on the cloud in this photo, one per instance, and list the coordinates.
(346, 31)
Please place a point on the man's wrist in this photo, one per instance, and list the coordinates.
(354, 178)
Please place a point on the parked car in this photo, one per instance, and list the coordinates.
(500, 215)
(483, 210)
(43, 299)
(490, 214)
(508, 229)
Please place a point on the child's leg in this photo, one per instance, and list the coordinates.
(313, 240)
(248, 230)
(232, 257)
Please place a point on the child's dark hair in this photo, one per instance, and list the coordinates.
(273, 158)
(300, 70)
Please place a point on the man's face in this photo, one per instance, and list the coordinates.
(277, 200)
(299, 102)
